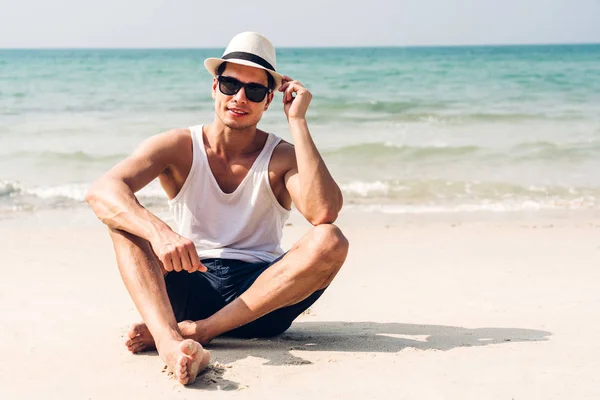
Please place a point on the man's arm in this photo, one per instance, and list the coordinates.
(112, 199)
(311, 186)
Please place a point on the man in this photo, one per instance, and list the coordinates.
(230, 187)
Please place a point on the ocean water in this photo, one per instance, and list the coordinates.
(403, 130)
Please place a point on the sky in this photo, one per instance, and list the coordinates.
(304, 23)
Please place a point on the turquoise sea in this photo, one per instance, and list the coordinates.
(403, 130)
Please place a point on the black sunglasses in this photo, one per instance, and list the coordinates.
(254, 91)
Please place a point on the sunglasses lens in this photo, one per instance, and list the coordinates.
(229, 86)
(256, 93)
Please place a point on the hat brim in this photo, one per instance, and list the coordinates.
(212, 64)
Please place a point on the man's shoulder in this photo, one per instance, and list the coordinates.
(175, 138)
(283, 159)
(284, 149)
(179, 133)
(168, 145)
(176, 152)
(284, 154)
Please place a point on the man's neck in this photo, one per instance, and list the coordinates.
(231, 143)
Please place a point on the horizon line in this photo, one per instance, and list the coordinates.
(314, 47)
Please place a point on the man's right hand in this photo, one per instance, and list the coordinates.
(176, 253)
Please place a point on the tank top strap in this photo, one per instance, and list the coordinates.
(262, 165)
(197, 141)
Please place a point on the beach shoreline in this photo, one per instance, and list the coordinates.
(430, 130)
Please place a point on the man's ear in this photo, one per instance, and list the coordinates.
(270, 97)
(214, 87)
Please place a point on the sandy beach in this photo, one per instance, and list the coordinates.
(438, 308)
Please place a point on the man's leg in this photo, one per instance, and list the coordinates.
(192, 296)
(144, 280)
(309, 266)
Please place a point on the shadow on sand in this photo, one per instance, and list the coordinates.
(351, 337)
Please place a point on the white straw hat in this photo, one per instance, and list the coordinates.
(251, 49)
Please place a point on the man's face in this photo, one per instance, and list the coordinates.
(236, 111)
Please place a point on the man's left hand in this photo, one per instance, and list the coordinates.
(296, 98)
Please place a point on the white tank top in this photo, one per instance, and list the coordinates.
(244, 225)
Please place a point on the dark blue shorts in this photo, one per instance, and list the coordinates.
(201, 294)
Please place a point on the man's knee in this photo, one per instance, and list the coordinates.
(329, 243)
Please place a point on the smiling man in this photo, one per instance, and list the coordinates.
(230, 187)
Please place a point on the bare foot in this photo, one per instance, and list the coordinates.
(184, 359)
(140, 338)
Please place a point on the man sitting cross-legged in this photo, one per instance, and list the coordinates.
(230, 187)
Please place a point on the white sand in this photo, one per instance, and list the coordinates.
(421, 310)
